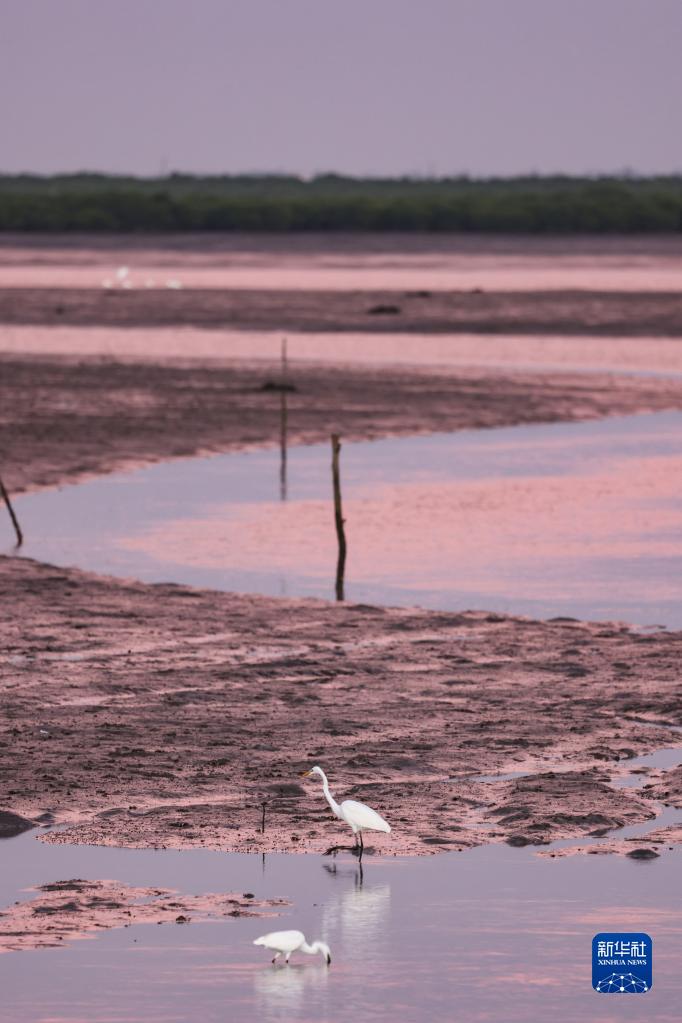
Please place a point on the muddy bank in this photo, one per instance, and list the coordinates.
(164, 716)
(66, 911)
(64, 418)
(646, 848)
(621, 313)
(208, 245)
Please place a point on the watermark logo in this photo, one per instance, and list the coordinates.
(621, 963)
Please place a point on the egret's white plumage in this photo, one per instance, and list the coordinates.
(358, 816)
(286, 942)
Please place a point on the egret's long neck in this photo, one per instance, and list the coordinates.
(329, 797)
(316, 946)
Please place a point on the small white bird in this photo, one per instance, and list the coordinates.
(283, 943)
(358, 816)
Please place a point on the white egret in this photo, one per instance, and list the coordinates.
(283, 943)
(358, 816)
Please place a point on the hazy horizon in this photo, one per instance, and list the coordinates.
(622, 174)
(443, 88)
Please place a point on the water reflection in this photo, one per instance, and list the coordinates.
(359, 911)
(283, 426)
(471, 936)
(595, 504)
(280, 992)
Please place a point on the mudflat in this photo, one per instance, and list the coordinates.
(68, 417)
(166, 716)
(568, 312)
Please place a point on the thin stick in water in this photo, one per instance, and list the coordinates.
(285, 366)
(10, 509)
(283, 417)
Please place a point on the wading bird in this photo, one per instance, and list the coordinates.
(283, 943)
(357, 816)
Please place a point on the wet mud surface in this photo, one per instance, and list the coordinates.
(65, 911)
(68, 417)
(650, 847)
(170, 717)
(667, 786)
(476, 310)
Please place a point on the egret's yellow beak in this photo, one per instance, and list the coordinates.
(305, 774)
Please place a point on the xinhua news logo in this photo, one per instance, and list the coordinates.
(621, 963)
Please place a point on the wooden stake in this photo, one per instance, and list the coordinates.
(338, 517)
(285, 366)
(283, 446)
(10, 509)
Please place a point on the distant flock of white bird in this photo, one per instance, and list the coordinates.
(122, 279)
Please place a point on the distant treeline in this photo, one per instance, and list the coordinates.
(330, 202)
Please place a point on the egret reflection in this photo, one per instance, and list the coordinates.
(280, 993)
(359, 912)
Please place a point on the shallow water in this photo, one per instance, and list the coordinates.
(414, 352)
(578, 519)
(488, 934)
(350, 262)
(663, 759)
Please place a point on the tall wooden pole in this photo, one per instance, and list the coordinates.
(10, 509)
(338, 517)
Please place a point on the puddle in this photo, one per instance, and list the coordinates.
(542, 520)
(487, 934)
(665, 817)
(663, 759)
